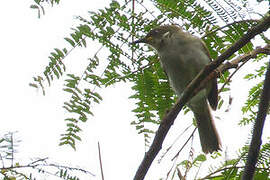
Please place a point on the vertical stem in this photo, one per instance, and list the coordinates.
(256, 140)
(100, 162)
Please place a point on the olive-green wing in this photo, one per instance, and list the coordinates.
(213, 94)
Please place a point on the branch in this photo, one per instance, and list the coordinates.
(219, 170)
(230, 24)
(42, 163)
(209, 176)
(100, 162)
(244, 58)
(258, 129)
(188, 93)
(168, 149)
(192, 134)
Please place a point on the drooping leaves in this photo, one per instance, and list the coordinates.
(219, 24)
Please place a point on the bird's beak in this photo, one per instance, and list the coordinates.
(143, 40)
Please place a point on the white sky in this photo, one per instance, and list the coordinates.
(26, 42)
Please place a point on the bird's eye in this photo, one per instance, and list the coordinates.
(154, 32)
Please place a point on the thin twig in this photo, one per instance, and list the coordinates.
(175, 158)
(3, 163)
(244, 59)
(230, 77)
(100, 162)
(169, 148)
(192, 134)
(209, 176)
(180, 174)
(223, 169)
(12, 149)
(227, 25)
(39, 160)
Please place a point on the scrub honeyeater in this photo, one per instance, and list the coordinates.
(183, 56)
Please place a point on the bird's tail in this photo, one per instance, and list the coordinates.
(209, 137)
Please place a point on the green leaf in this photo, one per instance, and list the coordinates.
(199, 159)
(71, 42)
(33, 85)
(59, 52)
(34, 7)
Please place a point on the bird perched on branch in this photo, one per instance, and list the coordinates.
(183, 56)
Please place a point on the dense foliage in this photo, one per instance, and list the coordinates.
(219, 24)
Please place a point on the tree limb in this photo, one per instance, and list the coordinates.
(256, 140)
(188, 93)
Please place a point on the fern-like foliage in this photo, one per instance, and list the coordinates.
(154, 97)
(251, 105)
(233, 168)
(39, 5)
(219, 24)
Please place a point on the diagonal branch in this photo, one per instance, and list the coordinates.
(189, 92)
(242, 59)
(256, 140)
(245, 57)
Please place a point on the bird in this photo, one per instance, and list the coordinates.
(182, 56)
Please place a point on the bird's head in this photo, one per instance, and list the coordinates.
(158, 36)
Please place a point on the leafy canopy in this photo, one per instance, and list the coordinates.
(219, 24)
